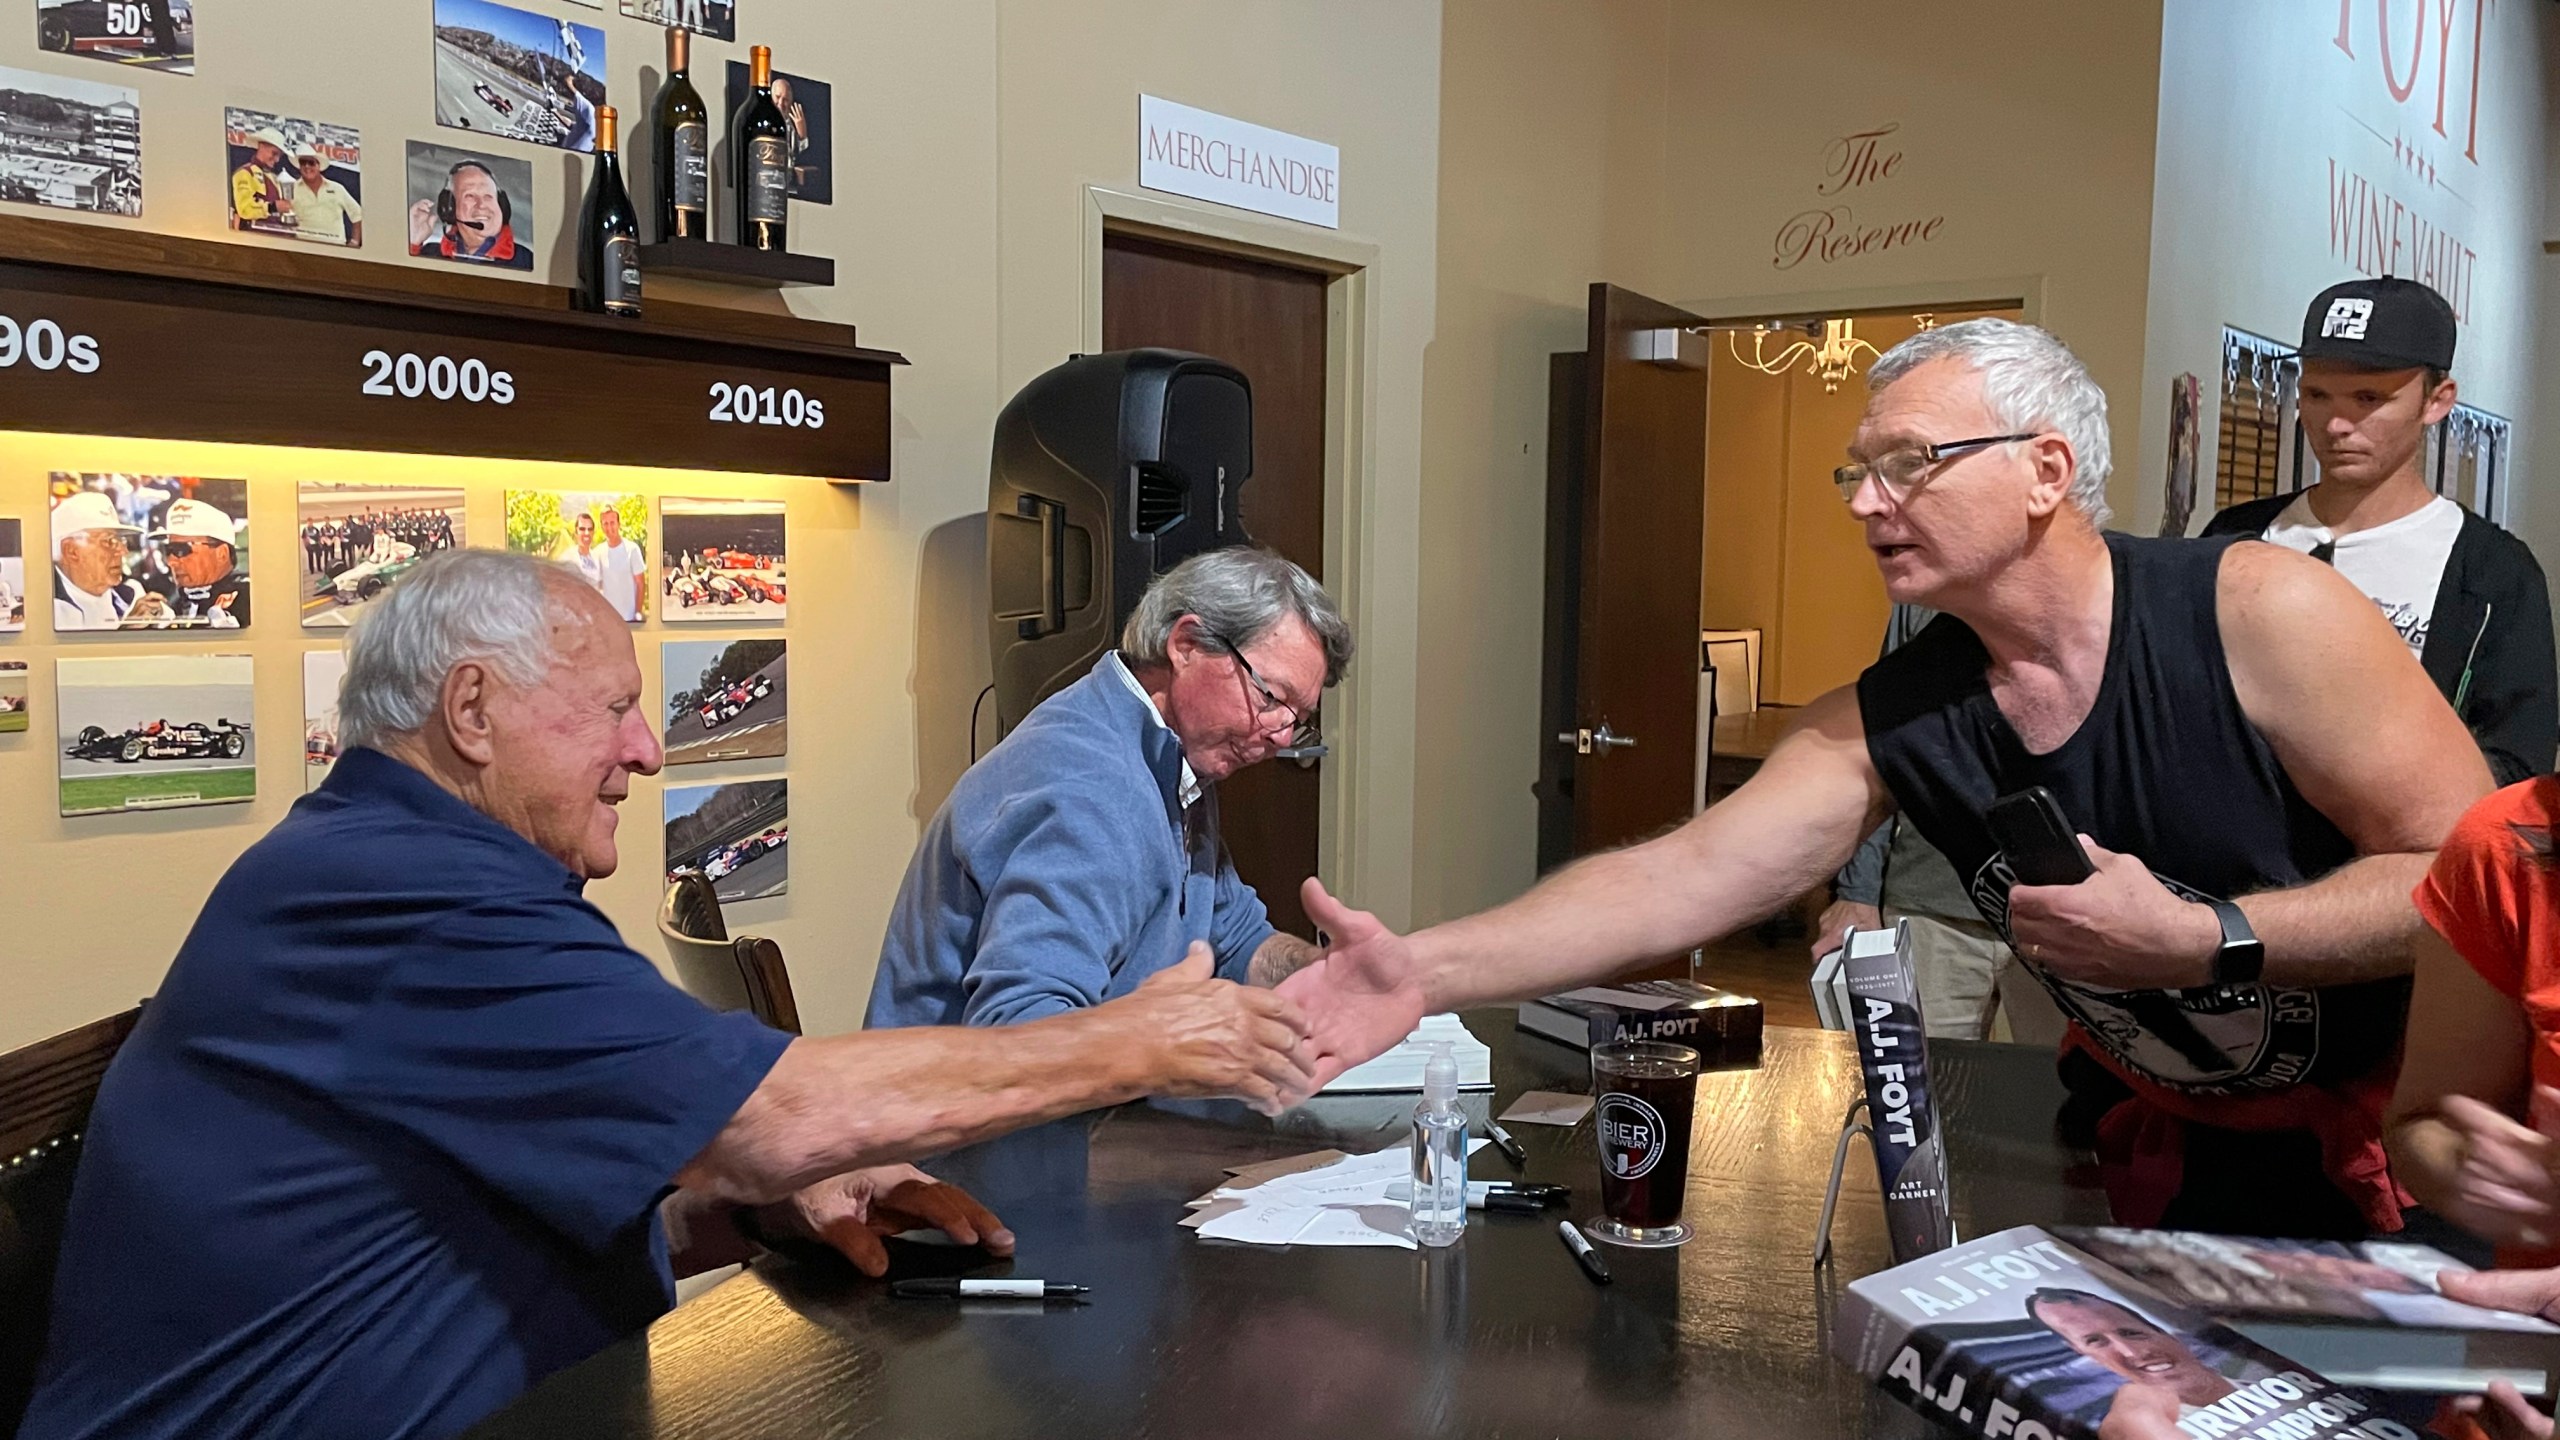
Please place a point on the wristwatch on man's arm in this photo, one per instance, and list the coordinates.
(2242, 956)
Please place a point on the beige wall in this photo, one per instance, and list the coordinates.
(966, 133)
(1665, 145)
(2275, 146)
(1532, 97)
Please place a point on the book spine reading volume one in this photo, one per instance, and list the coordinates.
(1893, 1051)
(2019, 1336)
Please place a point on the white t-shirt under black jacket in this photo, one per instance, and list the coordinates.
(2400, 564)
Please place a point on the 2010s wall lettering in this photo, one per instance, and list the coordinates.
(747, 405)
(440, 377)
(42, 344)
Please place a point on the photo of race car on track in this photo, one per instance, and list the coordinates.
(515, 74)
(734, 833)
(357, 539)
(722, 561)
(152, 732)
(149, 34)
(725, 700)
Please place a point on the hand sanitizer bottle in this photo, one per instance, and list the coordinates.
(1439, 1153)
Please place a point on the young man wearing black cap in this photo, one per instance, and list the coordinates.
(2467, 596)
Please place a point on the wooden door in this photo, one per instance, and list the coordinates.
(1268, 321)
(1636, 624)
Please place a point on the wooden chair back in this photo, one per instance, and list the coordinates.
(746, 973)
(46, 1091)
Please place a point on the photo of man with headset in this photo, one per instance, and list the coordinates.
(464, 211)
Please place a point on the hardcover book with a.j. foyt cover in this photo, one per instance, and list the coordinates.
(2369, 1313)
(1724, 1028)
(2019, 1336)
(1893, 1054)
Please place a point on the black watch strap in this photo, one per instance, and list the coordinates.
(2242, 956)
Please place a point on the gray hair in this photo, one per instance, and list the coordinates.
(458, 605)
(2031, 381)
(1239, 593)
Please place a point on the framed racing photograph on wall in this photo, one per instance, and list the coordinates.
(737, 834)
(13, 696)
(298, 179)
(155, 732)
(322, 670)
(149, 552)
(143, 34)
(726, 700)
(717, 19)
(603, 536)
(356, 539)
(471, 208)
(13, 573)
(518, 75)
(721, 560)
(70, 144)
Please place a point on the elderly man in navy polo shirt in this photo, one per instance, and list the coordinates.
(1081, 857)
(409, 1127)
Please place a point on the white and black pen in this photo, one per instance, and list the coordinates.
(957, 1289)
(1509, 1147)
(1588, 1258)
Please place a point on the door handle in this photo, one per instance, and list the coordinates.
(1595, 742)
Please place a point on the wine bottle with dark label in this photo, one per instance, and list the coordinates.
(760, 142)
(609, 232)
(683, 148)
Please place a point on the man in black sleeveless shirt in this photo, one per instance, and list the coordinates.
(2224, 721)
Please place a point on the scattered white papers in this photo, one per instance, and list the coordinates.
(1343, 1202)
(1401, 1067)
(1548, 1107)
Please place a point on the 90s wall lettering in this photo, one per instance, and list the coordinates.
(42, 344)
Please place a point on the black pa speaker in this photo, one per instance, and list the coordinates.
(1108, 471)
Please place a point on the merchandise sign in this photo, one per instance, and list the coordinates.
(1211, 157)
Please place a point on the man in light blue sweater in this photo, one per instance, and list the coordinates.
(1081, 855)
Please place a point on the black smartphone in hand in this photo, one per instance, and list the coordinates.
(2042, 846)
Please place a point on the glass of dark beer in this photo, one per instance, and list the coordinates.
(1647, 1091)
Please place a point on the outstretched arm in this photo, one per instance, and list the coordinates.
(1778, 836)
(876, 1097)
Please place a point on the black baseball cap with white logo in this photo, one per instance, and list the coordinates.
(2385, 324)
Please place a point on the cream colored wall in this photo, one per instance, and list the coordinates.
(2539, 523)
(2261, 113)
(965, 133)
(1546, 116)
(1663, 145)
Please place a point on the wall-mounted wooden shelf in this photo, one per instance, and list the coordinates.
(202, 340)
(735, 264)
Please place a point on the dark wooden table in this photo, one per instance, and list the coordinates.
(1498, 1336)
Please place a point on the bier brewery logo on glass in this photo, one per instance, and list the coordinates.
(1631, 1135)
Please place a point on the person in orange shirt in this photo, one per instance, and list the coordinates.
(2473, 1127)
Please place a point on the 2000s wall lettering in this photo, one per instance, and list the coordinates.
(439, 377)
(42, 344)
(1834, 232)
